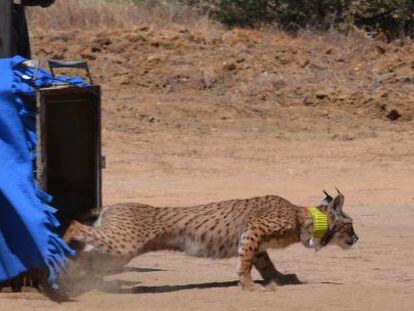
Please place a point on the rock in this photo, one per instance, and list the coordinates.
(58, 55)
(328, 50)
(303, 62)
(95, 48)
(62, 36)
(86, 54)
(321, 94)
(340, 59)
(98, 41)
(197, 37)
(119, 47)
(349, 136)
(179, 28)
(209, 77)
(241, 59)
(137, 38)
(393, 115)
(308, 101)
(282, 59)
(229, 66)
(143, 28)
(116, 59)
(155, 42)
(153, 59)
(125, 81)
(381, 48)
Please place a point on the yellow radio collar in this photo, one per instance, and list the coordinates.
(320, 222)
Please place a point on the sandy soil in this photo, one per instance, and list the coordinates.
(375, 174)
(190, 145)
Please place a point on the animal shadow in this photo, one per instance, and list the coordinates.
(135, 269)
(171, 288)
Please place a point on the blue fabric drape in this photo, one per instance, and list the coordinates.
(27, 223)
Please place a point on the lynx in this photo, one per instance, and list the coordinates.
(244, 228)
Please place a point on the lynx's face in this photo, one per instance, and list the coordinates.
(341, 230)
(342, 233)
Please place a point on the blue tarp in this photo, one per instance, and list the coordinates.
(27, 223)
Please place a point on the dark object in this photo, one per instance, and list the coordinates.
(6, 29)
(21, 34)
(393, 115)
(14, 36)
(34, 279)
(69, 159)
(42, 3)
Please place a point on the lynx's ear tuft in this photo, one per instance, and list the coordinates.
(326, 201)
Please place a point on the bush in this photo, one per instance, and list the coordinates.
(394, 18)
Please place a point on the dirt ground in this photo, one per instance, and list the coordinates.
(234, 114)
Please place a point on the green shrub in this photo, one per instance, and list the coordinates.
(394, 18)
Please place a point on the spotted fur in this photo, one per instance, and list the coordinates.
(244, 228)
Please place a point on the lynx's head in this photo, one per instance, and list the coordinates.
(341, 231)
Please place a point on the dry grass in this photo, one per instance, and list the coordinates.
(101, 14)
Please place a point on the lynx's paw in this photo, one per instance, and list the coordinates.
(247, 284)
(288, 279)
(253, 287)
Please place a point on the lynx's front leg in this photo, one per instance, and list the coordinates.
(248, 247)
(267, 270)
